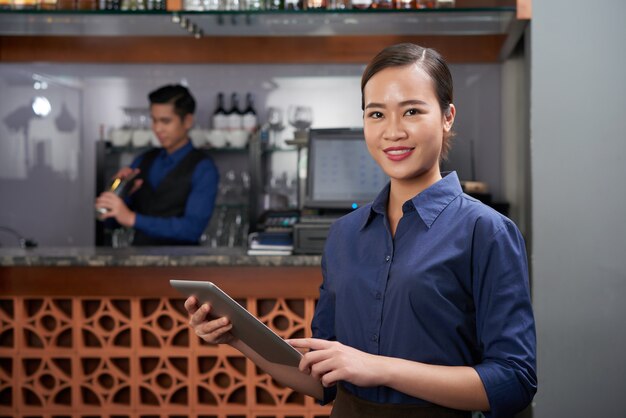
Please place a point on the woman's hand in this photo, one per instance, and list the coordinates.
(331, 361)
(213, 331)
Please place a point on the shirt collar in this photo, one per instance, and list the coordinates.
(429, 203)
(177, 155)
(378, 206)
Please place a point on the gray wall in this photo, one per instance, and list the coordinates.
(515, 137)
(578, 131)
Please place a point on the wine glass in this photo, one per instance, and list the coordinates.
(275, 123)
(275, 118)
(300, 117)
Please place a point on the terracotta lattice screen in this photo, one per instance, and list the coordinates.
(84, 357)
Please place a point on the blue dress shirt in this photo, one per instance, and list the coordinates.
(200, 202)
(451, 288)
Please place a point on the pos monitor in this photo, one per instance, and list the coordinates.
(341, 174)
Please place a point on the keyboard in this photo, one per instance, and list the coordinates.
(318, 219)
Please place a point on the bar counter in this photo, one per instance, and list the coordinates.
(146, 256)
(99, 332)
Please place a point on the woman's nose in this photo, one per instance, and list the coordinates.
(394, 130)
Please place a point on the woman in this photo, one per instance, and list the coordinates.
(425, 309)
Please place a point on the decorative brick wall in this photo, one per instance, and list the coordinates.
(123, 357)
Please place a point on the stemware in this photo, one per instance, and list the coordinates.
(275, 124)
(300, 117)
(275, 118)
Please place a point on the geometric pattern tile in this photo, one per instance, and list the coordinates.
(131, 357)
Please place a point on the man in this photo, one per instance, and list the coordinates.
(173, 195)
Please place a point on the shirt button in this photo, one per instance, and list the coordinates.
(378, 295)
(387, 258)
(374, 337)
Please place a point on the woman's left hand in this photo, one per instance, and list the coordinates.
(331, 361)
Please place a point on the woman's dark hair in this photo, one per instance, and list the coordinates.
(177, 95)
(430, 61)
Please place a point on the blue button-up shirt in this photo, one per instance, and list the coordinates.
(200, 202)
(451, 288)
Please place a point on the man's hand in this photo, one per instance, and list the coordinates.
(115, 208)
(126, 172)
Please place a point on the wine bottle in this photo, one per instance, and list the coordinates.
(234, 115)
(361, 4)
(249, 115)
(382, 4)
(219, 120)
(405, 4)
(316, 4)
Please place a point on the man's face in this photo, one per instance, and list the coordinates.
(169, 128)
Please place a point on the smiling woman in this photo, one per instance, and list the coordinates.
(426, 312)
(408, 120)
(424, 309)
(404, 131)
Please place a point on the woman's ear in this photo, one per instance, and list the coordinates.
(448, 118)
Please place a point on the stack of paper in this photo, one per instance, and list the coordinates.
(270, 243)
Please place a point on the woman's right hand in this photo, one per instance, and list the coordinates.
(213, 331)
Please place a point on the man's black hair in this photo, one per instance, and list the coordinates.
(177, 95)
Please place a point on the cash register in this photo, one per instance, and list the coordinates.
(341, 177)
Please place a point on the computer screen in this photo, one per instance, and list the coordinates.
(341, 174)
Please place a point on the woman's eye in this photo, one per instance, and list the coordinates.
(412, 112)
(375, 115)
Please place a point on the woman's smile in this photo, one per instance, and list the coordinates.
(398, 153)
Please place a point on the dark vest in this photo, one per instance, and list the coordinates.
(168, 199)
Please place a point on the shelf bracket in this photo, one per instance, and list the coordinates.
(514, 34)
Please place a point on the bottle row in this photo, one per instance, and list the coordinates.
(234, 5)
(234, 118)
(223, 5)
(134, 5)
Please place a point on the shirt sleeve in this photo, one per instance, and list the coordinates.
(198, 209)
(323, 324)
(137, 161)
(504, 319)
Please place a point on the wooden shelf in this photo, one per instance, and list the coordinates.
(236, 50)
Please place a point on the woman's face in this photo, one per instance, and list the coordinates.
(404, 125)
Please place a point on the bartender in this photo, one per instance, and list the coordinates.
(174, 189)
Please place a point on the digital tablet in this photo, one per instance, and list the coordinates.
(246, 326)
